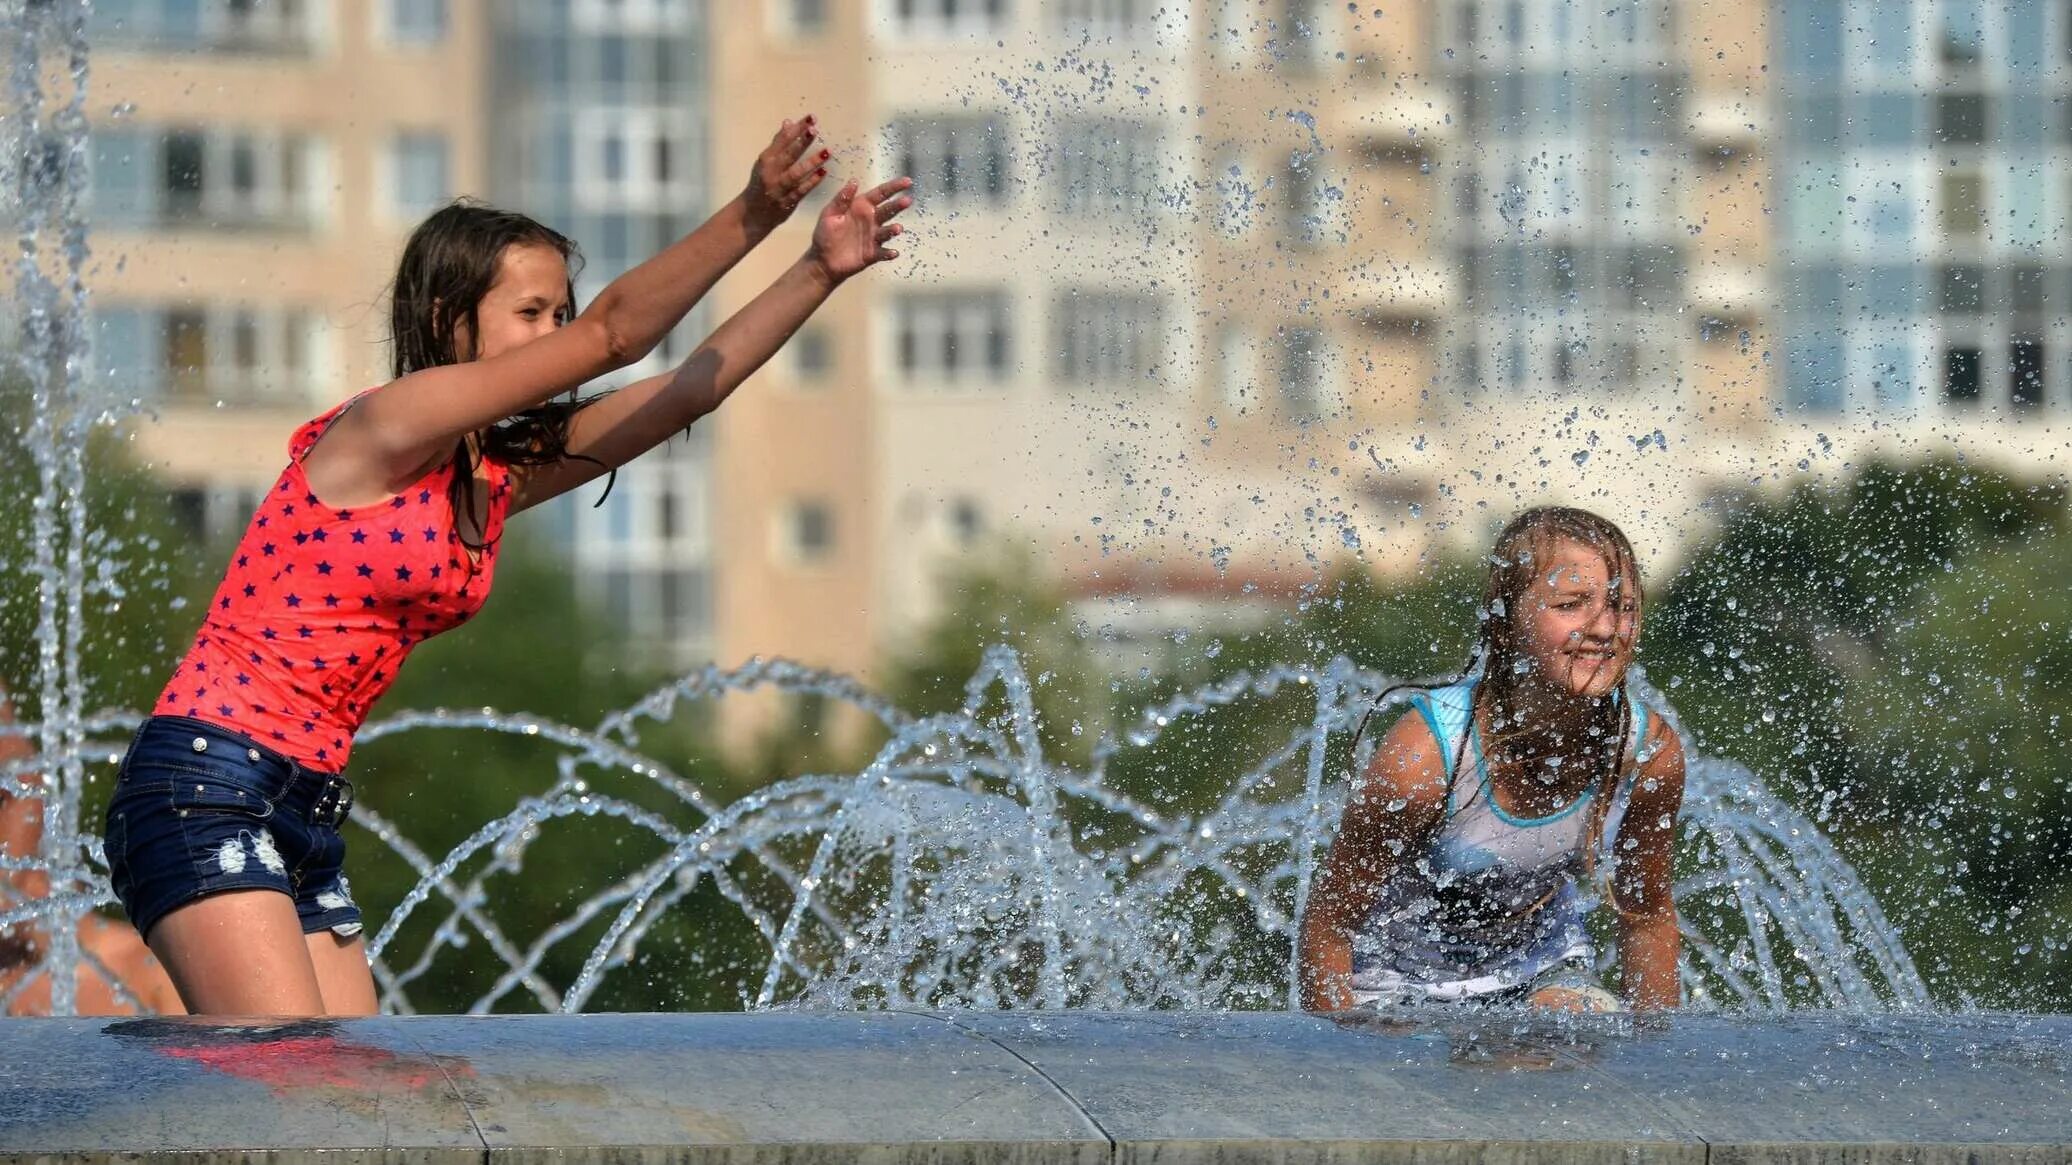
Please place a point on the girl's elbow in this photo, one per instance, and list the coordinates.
(616, 347)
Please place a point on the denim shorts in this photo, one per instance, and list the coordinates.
(199, 809)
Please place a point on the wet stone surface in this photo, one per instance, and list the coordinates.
(1065, 1086)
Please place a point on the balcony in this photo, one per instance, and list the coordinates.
(1726, 292)
(1393, 291)
(1396, 117)
(1726, 123)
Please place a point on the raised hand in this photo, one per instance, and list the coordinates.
(785, 172)
(854, 228)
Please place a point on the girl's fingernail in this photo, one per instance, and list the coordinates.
(826, 154)
(822, 172)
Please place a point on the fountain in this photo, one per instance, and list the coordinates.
(960, 919)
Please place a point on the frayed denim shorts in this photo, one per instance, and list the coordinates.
(199, 809)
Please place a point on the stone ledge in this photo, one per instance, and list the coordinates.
(793, 1088)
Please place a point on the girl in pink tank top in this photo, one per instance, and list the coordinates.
(382, 531)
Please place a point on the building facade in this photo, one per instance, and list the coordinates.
(1202, 300)
(598, 125)
(255, 173)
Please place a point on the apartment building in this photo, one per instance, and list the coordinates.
(1924, 210)
(256, 168)
(1198, 295)
(1202, 298)
(597, 124)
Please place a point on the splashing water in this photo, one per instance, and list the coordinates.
(961, 867)
(42, 185)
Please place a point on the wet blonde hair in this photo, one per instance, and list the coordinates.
(1522, 550)
(1520, 558)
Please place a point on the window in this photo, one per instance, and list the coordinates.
(180, 176)
(966, 524)
(1231, 37)
(1963, 204)
(186, 351)
(1107, 337)
(1889, 29)
(1892, 375)
(1301, 41)
(1815, 373)
(1961, 118)
(1119, 19)
(1960, 375)
(949, 17)
(1234, 369)
(955, 160)
(1888, 120)
(2022, 216)
(207, 353)
(216, 180)
(272, 27)
(1963, 289)
(125, 352)
(2027, 44)
(952, 338)
(633, 158)
(807, 532)
(1812, 36)
(2025, 372)
(1963, 32)
(1302, 372)
(416, 22)
(2028, 287)
(802, 17)
(124, 192)
(418, 178)
(1106, 166)
(811, 356)
(1314, 207)
(613, 54)
(1236, 199)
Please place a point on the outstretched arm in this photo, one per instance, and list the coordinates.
(1389, 818)
(850, 236)
(1642, 883)
(391, 435)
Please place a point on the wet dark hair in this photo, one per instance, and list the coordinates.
(449, 264)
(1519, 559)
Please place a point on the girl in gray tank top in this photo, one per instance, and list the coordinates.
(1455, 872)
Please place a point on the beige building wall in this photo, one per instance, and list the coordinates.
(784, 439)
(350, 92)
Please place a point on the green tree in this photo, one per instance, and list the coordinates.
(536, 653)
(1961, 784)
(143, 578)
(1800, 638)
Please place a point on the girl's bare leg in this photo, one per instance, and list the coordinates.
(240, 952)
(343, 978)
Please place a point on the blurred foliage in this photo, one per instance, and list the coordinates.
(534, 653)
(143, 575)
(1883, 653)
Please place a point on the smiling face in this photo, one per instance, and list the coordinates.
(528, 300)
(1579, 619)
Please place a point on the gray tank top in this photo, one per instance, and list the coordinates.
(1494, 901)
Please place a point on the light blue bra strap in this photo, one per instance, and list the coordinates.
(1445, 711)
